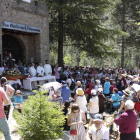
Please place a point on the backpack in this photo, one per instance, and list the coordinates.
(72, 86)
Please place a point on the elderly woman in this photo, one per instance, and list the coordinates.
(126, 93)
(81, 99)
(76, 120)
(18, 100)
(93, 103)
(58, 98)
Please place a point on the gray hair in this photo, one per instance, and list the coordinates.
(129, 104)
(58, 92)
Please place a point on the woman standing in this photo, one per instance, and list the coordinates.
(76, 120)
(9, 92)
(57, 73)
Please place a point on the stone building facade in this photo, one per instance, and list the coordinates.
(24, 30)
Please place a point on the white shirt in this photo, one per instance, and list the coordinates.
(47, 69)
(40, 70)
(32, 71)
(95, 105)
(69, 81)
(82, 102)
(102, 134)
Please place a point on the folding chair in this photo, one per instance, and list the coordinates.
(89, 125)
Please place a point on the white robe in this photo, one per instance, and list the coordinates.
(32, 71)
(47, 69)
(40, 70)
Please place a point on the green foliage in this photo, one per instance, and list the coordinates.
(42, 119)
(67, 60)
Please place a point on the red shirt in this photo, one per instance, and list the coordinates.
(2, 96)
(89, 86)
(127, 122)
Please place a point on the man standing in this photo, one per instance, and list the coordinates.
(65, 91)
(40, 70)
(98, 131)
(3, 122)
(47, 68)
(127, 122)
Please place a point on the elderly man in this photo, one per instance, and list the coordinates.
(127, 122)
(47, 68)
(98, 131)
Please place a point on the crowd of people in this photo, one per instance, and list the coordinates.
(85, 91)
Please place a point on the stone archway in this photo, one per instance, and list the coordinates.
(14, 44)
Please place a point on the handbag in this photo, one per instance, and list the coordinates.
(73, 132)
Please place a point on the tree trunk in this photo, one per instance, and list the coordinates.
(123, 29)
(60, 36)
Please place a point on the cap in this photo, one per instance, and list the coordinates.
(98, 117)
(100, 90)
(93, 92)
(63, 83)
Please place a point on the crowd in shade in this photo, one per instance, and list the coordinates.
(86, 93)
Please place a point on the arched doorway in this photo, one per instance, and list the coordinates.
(11, 44)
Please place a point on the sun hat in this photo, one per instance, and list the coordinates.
(79, 91)
(126, 91)
(93, 92)
(124, 75)
(98, 117)
(18, 92)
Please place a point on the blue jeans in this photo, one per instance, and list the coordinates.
(5, 129)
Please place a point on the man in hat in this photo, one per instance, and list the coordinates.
(127, 122)
(65, 91)
(47, 68)
(3, 122)
(98, 131)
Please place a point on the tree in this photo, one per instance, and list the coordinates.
(81, 23)
(42, 119)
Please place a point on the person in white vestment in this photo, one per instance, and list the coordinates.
(47, 68)
(32, 72)
(40, 70)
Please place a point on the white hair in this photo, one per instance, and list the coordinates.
(98, 81)
(78, 82)
(58, 92)
(129, 104)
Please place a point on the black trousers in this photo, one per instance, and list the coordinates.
(129, 136)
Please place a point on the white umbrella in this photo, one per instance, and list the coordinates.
(136, 87)
(55, 85)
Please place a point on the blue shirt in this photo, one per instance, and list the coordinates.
(115, 97)
(65, 93)
(18, 99)
(107, 87)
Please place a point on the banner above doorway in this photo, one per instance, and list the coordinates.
(20, 27)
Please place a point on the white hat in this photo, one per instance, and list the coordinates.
(100, 90)
(93, 92)
(129, 104)
(98, 81)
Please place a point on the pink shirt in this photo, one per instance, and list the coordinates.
(2, 96)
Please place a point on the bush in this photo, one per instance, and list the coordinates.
(42, 119)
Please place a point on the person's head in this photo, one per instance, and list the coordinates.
(40, 64)
(107, 79)
(136, 80)
(100, 90)
(47, 62)
(9, 54)
(18, 92)
(79, 92)
(126, 92)
(58, 92)
(115, 90)
(93, 93)
(63, 83)
(98, 121)
(78, 83)
(97, 82)
(134, 94)
(3, 81)
(32, 65)
(129, 105)
(75, 108)
(67, 104)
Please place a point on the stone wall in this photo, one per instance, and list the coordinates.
(37, 46)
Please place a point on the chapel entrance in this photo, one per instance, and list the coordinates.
(12, 45)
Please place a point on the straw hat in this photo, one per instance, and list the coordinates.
(18, 92)
(124, 75)
(79, 91)
(136, 79)
(126, 91)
